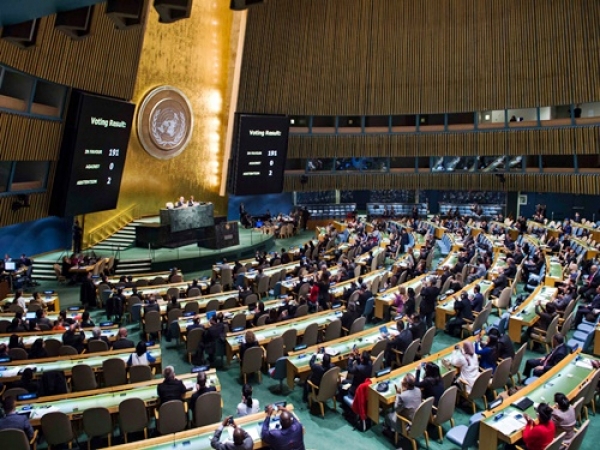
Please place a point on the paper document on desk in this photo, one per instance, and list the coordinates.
(254, 433)
(331, 351)
(508, 424)
(39, 412)
(585, 363)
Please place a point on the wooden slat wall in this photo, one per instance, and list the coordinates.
(105, 62)
(28, 139)
(373, 57)
(575, 184)
(551, 141)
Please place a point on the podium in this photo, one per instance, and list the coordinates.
(222, 235)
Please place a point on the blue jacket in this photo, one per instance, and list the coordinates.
(291, 438)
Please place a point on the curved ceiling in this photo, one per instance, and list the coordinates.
(13, 11)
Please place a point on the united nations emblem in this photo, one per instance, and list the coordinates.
(165, 122)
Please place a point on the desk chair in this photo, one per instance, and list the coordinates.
(414, 429)
(140, 373)
(579, 436)
(274, 351)
(333, 330)
(17, 354)
(97, 422)
(326, 390)
(466, 437)
(208, 409)
(15, 439)
(426, 342)
(279, 373)
(83, 378)
(444, 410)
(97, 346)
(13, 392)
(311, 334)
(57, 429)
(516, 364)
(133, 417)
(479, 389)
(114, 372)
(252, 362)
(171, 417)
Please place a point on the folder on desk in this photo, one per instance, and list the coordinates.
(523, 404)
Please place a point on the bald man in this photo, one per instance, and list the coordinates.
(289, 437)
(122, 341)
(241, 439)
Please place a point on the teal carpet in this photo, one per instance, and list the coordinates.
(333, 430)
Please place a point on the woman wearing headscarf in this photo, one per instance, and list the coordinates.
(466, 362)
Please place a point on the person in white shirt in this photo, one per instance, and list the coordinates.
(466, 361)
(141, 357)
(248, 405)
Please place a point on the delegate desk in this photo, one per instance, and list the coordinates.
(449, 261)
(200, 438)
(554, 272)
(445, 307)
(592, 231)
(525, 315)
(51, 301)
(298, 363)
(114, 280)
(199, 215)
(289, 285)
(202, 301)
(499, 263)
(549, 231)
(384, 300)
(387, 398)
(30, 337)
(228, 314)
(590, 251)
(75, 403)
(161, 289)
(437, 230)
(502, 423)
(250, 276)
(266, 333)
(510, 230)
(337, 290)
(75, 315)
(13, 369)
(496, 244)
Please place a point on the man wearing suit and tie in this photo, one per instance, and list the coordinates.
(542, 365)
(588, 290)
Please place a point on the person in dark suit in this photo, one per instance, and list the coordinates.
(122, 341)
(429, 297)
(152, 305)
(417, 327)
(540, 366)
(13, 420)
(511, 270)
(462, 313)
(350, 316)
(477, 302)
(97, 336)
(591, 308)
(399, 343)
(74, 337)
(87, 292)
(316, 374)
(171, 388)
(500, 282)
(77, 237)
(359, 366)
(588, 290)
(285, 257)
(201, 388)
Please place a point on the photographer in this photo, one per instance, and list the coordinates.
(241, 439)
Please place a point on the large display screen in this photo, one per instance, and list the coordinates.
(92, 156)
(258, 154)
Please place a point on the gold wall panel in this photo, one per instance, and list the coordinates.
(550, 141)
(193, 56)
(572, 184)
(372, 57)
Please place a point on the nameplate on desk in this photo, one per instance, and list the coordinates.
(200, 369)
(227, 237)
(383, 372)
(106, 324)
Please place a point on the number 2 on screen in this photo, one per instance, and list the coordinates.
(270, 173)
(108, 180)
